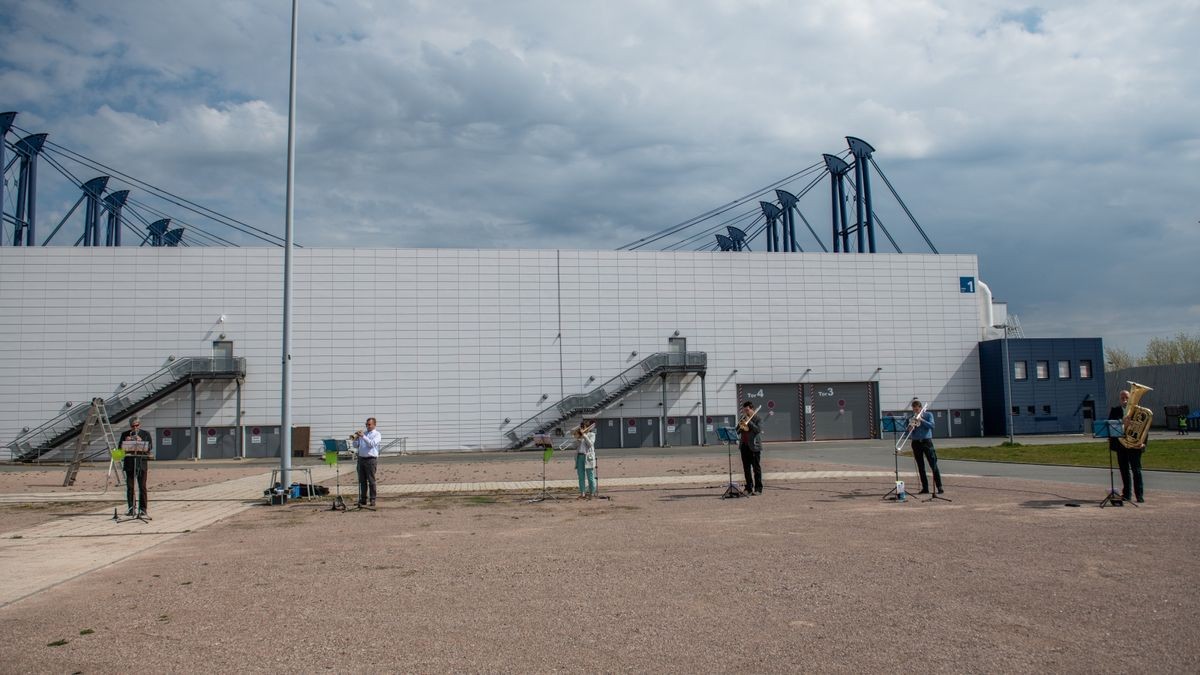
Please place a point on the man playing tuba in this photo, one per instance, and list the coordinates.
(1129, 459)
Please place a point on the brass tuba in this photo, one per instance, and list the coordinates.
(1138, 426)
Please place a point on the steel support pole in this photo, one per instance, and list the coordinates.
(195, 425)
(662, 420)
(858, 204)
(241, 437)
(703, 411)
(1007, 388)
(285, 383)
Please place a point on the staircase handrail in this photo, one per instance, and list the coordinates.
(127, 397)
(589, 401)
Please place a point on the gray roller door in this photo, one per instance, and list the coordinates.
(218, 443)
(682, 431)
(840, 410)
(173, 443)
(966, 423)
(714, 422)
(779, 405)
(262, 441)
(608, 432)
(640, 432)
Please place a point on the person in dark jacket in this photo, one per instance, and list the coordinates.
(1128, 459)
(137, 444)
(750, 445)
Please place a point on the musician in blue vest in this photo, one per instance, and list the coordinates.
(922, 447)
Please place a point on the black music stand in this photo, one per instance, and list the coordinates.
(894, 424)
(1110, 429)
(729, 436)
(333, 449)
(543, 441)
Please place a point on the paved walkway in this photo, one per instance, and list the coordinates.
(48, 554)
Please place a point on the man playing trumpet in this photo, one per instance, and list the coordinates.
(750, 445)
(366, 445)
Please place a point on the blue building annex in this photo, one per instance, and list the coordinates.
(1053, 385)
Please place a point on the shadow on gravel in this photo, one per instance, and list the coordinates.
(1050, 503)
(694, 495)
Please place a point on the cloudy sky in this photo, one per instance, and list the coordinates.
(1059, 142)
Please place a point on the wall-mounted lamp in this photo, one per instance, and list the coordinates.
(69, 404)
(676, 333)
(545, 396)
(171, 357)
(808, 370)
(734, 372)
(222, 319)
(221, 336)
(507, 420)
(591, 378)
(633, 353)
(879, 369)
(123, 385)
(24, 430)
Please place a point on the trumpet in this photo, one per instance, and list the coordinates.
(744, 423)
(356, 435)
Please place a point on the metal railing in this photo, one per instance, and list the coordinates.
(607, 393)
(34, 443)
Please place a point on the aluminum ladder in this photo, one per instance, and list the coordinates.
(97, 415)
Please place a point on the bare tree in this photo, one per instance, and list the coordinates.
(1117, 358)
(1182, 348)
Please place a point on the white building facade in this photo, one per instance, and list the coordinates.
(451, 349)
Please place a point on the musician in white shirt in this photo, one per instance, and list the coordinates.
(367, 444)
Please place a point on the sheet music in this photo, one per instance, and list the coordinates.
(135, 446)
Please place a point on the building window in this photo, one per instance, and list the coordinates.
(1029, 409)
(1043, 370)
(1085, 369)
(1016, 411)
(1045, 410)
(1019, 372)
(1064, 370)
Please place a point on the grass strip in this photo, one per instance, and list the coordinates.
(1161, 454)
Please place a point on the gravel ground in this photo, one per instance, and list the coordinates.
(812, 576)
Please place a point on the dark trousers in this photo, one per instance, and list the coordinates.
(1130, 462)
(922, 450)
(366, 478)
(752, 465)
(135, 472)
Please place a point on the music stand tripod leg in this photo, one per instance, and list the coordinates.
(1113, 498)
(731, 490)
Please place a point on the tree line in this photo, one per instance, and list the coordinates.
(1182, 348)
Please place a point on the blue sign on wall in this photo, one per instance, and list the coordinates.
(966, 284)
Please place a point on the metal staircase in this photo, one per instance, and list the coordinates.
(606, 394)
(34, 444)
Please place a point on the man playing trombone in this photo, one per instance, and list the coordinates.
(585, 458)
(366, 444)
(750, 445)
(921, 426)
